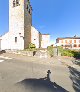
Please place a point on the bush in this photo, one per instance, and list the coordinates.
(31, 47)
(70, 53)
(65, 52)
(76, 54)
(50, 50)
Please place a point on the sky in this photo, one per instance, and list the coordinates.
(59, 18)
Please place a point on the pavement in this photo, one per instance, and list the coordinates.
(57, 60)
(18, 71)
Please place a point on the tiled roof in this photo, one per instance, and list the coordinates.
(69, 38)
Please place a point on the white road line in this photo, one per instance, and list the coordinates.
(5, 57)
(1, 60)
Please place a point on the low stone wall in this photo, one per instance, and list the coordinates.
(27, 53)
(39, 53)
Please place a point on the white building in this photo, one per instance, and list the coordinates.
(45, 40)
(21, 32)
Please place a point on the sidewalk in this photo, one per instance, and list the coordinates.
(33, 59)
(57, 60)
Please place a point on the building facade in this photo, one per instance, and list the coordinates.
(69, 42)
(45, 38)
(21, 32)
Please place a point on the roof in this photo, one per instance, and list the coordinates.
(45, 34)
(69, 38)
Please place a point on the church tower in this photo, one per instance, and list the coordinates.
(20, 21)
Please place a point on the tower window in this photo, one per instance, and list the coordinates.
(27, 7)
(17, 2)
(14, 3)
(29, 11)
(15, 39)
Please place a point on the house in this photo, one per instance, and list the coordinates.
(69, 42)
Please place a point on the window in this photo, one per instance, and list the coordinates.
(29, 11)
(17, 2)
(79, 45)
(65, 41)
(27, 7)
(74, 41)
(75, 45)
(15, 39)
(62, 41)
(70, 41)
(14, 4)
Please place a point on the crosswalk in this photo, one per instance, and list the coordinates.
(3, 58)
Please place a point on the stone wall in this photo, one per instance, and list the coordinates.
(39, 53)
(27, 23)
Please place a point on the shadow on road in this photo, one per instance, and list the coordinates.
(41, 85)
(75, 77)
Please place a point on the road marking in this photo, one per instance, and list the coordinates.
(1, 60)
(5, 57)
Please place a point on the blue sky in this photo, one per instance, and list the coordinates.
(59, 18)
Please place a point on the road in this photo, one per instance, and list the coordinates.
(30, 75)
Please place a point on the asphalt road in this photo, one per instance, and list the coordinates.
(20, 75)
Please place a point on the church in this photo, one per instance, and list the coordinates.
(21, 32)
